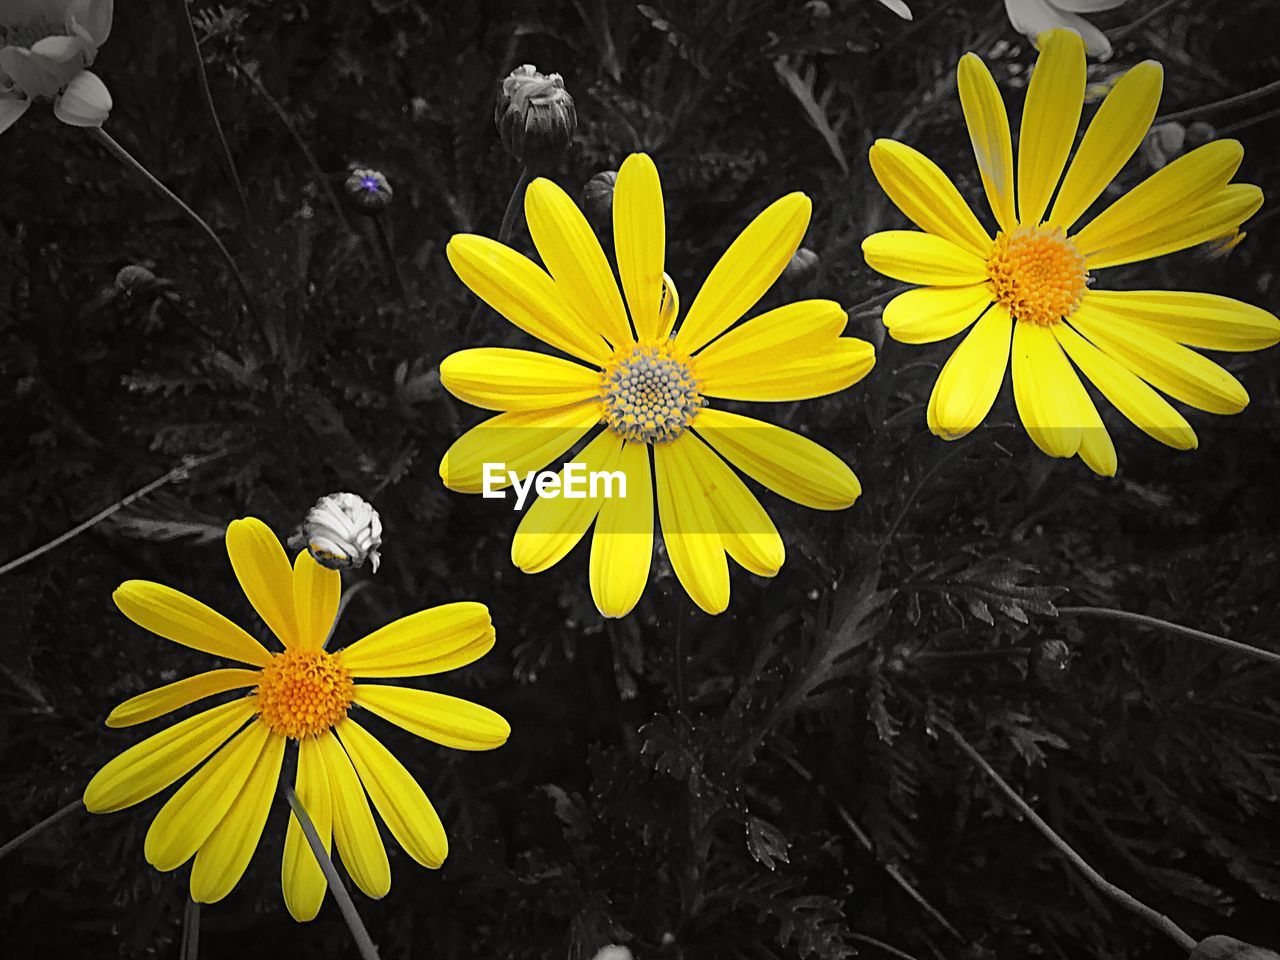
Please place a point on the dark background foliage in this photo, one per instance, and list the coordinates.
(748, 786)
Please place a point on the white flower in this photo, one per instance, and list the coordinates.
(613, 952)
(343, 530)
(1034, 17)
(46, 48)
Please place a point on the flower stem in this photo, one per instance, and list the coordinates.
(40, 827)
(514, 204)
(190, 948)
(296, 134)
(123, 155)
(188, 464)
(1104, 886)
(384, 244)
(1234, 646)
(189, 40)
(1241, 98)
(364, 943)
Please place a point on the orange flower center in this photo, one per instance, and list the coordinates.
(649, 392)
(1037, 274)
(303, 693)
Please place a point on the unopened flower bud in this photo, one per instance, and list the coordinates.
(1050, 660)
(597, 195)
(369, 191)
(802, 268)
(1199, 133)
(1229, 948)
(535, 116)
(1163, 143)
(343, 530)
(135, 278)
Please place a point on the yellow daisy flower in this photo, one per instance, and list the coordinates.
(649, 389)
(304, 694)
(1029, 288)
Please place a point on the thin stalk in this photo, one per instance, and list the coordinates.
(878, 299)
(364, 943)
(1246, 123)
(296, 134)
(1103, 886)
(188, 39)
(123, 155)
(881, 945)
(1241, 98)
(40, 827)
(1141, 619)
(190, 932)
(864, 839)
(514, 204)
(384, 244)
(177, 472)
(1151, 14)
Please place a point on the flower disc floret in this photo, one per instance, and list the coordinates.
(649, 392)
(1037, 274)
(303, 693)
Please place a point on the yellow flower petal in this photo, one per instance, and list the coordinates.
(1195, 319)
(148, 767)
(1169, 367)
(265, 575)
(787, 463)
(174, 696)
(406, 810)
(523, 440)
(785, 333)
(1096, 449)
(222, 859)
(988, 123)
(1042, 391)
(497, 378)
(1223, 213)
(926, 195)
(316, 592)
(1115, 132)
(1163, 199)
(355, 833)
(922, 258)
(639, 240)
(522, 292)
(689, 527)
(188, 817)
(1050, 117)
(828, 369)
(930, 314)
(427, 642)
(746, 271)
(746, 531)
(971, 377)
(301, 878)
(552, 526)
(573, 256)
(449, 721)
(173, 615)
(622, 545)
(1145, 408)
